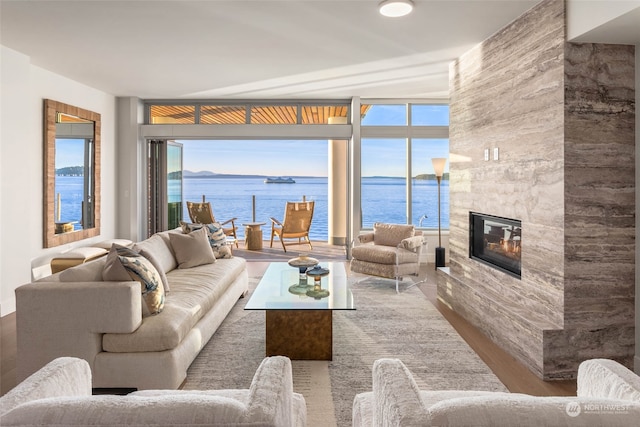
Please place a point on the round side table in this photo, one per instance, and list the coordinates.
(253, 235)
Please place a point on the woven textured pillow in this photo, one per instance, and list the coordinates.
(391, 234)
(125, 264)
(192, 249)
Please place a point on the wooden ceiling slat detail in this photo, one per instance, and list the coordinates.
(236, 114)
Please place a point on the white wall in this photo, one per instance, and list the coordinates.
(602, 19)
(23, 87)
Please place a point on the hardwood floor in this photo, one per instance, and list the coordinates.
(515, 376)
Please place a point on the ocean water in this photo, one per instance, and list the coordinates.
(383, 200)
(71, 190)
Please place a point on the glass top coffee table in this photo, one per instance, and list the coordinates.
(298, 313)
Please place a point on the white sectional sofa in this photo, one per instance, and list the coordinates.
(77, 313)
(608, 395)
(60, 394)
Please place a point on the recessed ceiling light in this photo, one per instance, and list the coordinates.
(395, 8)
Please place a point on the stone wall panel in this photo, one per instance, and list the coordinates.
(562, 117)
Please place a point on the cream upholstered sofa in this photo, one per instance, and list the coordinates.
(78, 313)
(60, 394)
(608, 395)
(390, 250)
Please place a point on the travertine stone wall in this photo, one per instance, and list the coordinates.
(562, 117)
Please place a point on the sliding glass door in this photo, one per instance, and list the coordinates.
(165, 185)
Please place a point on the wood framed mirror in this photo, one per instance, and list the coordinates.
(71, 173)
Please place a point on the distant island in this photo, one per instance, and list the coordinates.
(431, 176)
(70, 171)
(208, 174)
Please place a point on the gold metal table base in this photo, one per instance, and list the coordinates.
(300, 334)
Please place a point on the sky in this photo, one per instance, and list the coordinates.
(382, 157)
(267, 157)
(69, 152)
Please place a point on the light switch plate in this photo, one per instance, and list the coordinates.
(495, 153)
(486, 154)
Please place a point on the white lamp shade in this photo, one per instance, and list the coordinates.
(438, 165)
(396, 8)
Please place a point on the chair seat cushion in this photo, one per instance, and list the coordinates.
(380, 254)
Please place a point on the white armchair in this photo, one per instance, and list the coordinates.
(608, 395)
(391, 251)
(60, 394)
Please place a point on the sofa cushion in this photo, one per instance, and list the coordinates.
(364, 405)
(192, 249)
(194, 292)
(106, 410)
(125, 264)
(160, 248)
(391, 234)
(510, 409)
(383, 254)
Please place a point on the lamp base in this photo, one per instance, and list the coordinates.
(439, 257)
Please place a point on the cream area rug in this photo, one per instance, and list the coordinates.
(385, 324)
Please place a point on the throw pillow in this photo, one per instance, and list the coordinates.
(218, 241)
(192, 249)
(153, 260)
(160, 247)
(391, 234)
(217, 238)
(188, 227)
(125, 264)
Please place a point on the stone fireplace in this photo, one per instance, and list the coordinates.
(563, 118)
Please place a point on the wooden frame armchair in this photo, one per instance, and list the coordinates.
(295, 225)
(202, 213)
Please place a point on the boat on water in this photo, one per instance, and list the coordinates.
(279, 180)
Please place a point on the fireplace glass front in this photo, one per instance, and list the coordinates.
(496, 241)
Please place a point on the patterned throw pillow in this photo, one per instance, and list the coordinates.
(125, 264)
(217, 238)
(188, 227)
(218, 241)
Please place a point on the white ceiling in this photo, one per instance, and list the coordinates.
(252, 49)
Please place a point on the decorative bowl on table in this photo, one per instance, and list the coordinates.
(317, 273)
(303, 262)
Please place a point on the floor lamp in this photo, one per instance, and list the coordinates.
(438, 167)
